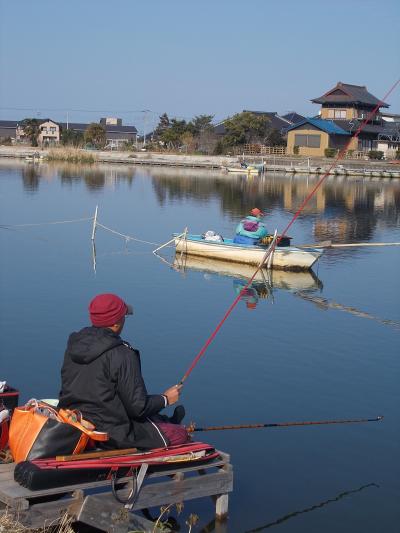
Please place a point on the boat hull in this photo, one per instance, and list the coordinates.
(286, 258)
(243, 170)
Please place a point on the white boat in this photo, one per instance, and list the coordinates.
(279, 279)
(243, 170)
(284, 257)
(354, 172)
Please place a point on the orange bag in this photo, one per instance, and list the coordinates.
(38, 430)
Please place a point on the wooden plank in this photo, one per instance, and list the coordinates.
(221, 506)
(6, 476)
(164, 493)
(109, 515)
(43, 514)
(6, 467)
(19, 503)
(99, 510)
(11, 490)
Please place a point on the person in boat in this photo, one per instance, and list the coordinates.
(251, 230)
(101, 377)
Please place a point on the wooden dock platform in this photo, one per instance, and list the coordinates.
(94, 504)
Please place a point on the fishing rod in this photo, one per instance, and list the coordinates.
(341, 154)
(192, 427)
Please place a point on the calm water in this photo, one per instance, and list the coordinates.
(298, 348)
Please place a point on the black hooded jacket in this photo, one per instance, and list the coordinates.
(101, 377)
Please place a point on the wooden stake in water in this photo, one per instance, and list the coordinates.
(271, 250)
(94, 223)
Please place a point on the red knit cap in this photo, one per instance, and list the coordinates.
(107, 309)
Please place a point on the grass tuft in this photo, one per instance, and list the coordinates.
(70, 155)
(9, 524)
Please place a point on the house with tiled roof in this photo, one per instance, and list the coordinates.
(8, 129)
(343, 109)
(293, 117)
(50, 131)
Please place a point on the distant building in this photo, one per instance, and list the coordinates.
(116, 133)
(343, 110)
(390, 117)
(389, 138)
(8, 129)
(293, 117)
(50, 131)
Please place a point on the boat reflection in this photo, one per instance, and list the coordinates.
(265, 281)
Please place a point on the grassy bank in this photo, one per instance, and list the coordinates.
(70, 155)
(10, 524)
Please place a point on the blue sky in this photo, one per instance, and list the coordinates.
(101, 58)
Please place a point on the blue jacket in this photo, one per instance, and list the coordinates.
(260, 233)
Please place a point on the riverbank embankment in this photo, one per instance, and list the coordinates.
(277, 163)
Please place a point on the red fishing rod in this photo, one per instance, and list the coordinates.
(269, 251)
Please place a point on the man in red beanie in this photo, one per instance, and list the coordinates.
(101, 377)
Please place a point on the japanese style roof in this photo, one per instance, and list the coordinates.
(328, 126)
(71, 125)
(351, 126)
(293, 117)
(344, 93)
(390, 131)
(8, 123)
(108, 127)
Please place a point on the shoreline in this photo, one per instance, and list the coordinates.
(291, 165)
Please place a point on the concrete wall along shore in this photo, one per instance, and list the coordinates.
(272, 162)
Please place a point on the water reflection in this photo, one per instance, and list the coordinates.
(312, 508)
(325, 304)
(342, 211)
(30, 178)
(251, 295)
(263, 285)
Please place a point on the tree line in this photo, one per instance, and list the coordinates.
(198, 135)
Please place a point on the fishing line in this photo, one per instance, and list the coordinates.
(10, 226)
(338, 158)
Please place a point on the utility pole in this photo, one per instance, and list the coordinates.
(145, 111)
